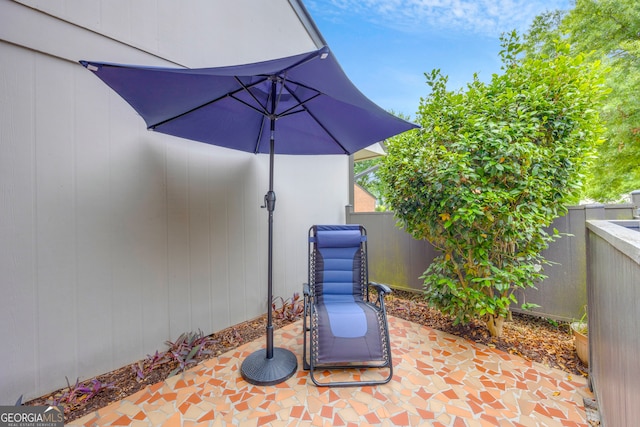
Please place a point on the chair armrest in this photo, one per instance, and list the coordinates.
(382, 289)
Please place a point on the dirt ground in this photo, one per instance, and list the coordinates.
(532, 338)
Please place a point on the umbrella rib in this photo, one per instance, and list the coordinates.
(284, 80)
(226, 95)
(262, 126)
(300, 104)
(246, 88)
(304, 107)
(265, 113)
(326, 130)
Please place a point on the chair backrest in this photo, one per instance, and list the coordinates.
(337, 262)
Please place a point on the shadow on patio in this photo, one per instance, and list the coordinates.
(439, 380)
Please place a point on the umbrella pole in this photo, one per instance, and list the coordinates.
(274, 365)
(270, 202)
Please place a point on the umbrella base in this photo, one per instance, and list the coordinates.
(257, 369)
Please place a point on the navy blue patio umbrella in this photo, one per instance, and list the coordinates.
(300, 105)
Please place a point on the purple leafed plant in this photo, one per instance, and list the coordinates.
(232, 337)
(144, 367)
(78, 393)
(290, 309)
(185, 351)
(187, 348)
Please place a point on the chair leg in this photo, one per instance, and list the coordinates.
(306, 329)
(385, 380)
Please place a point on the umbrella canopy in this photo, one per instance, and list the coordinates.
(316, 108)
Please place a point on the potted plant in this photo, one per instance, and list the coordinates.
(580, 330)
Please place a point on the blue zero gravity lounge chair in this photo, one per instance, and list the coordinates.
(343, 328)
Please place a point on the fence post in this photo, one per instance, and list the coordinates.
(348, 211)
(635, 199)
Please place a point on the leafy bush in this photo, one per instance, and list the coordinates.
(490, 169)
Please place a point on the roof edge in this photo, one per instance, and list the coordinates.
(308, 23)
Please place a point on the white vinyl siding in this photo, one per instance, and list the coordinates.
(114, 239)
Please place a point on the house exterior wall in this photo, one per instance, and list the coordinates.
(114, 239)
(363, 201)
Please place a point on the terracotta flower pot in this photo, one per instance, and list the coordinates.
(581, 341)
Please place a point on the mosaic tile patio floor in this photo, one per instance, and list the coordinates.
(439, 380)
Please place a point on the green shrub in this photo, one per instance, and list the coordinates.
(490, 169)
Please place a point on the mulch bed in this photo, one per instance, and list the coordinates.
(533, 338)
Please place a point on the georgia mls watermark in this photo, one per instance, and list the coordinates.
(31, 416)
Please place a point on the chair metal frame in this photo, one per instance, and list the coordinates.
(310, 320)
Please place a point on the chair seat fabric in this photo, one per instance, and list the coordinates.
(345, 317)
(348, 332)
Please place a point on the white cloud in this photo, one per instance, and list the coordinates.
(482, 17)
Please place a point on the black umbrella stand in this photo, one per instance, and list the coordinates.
(271, 365)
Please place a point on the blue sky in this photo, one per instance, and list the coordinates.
(386, 46)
